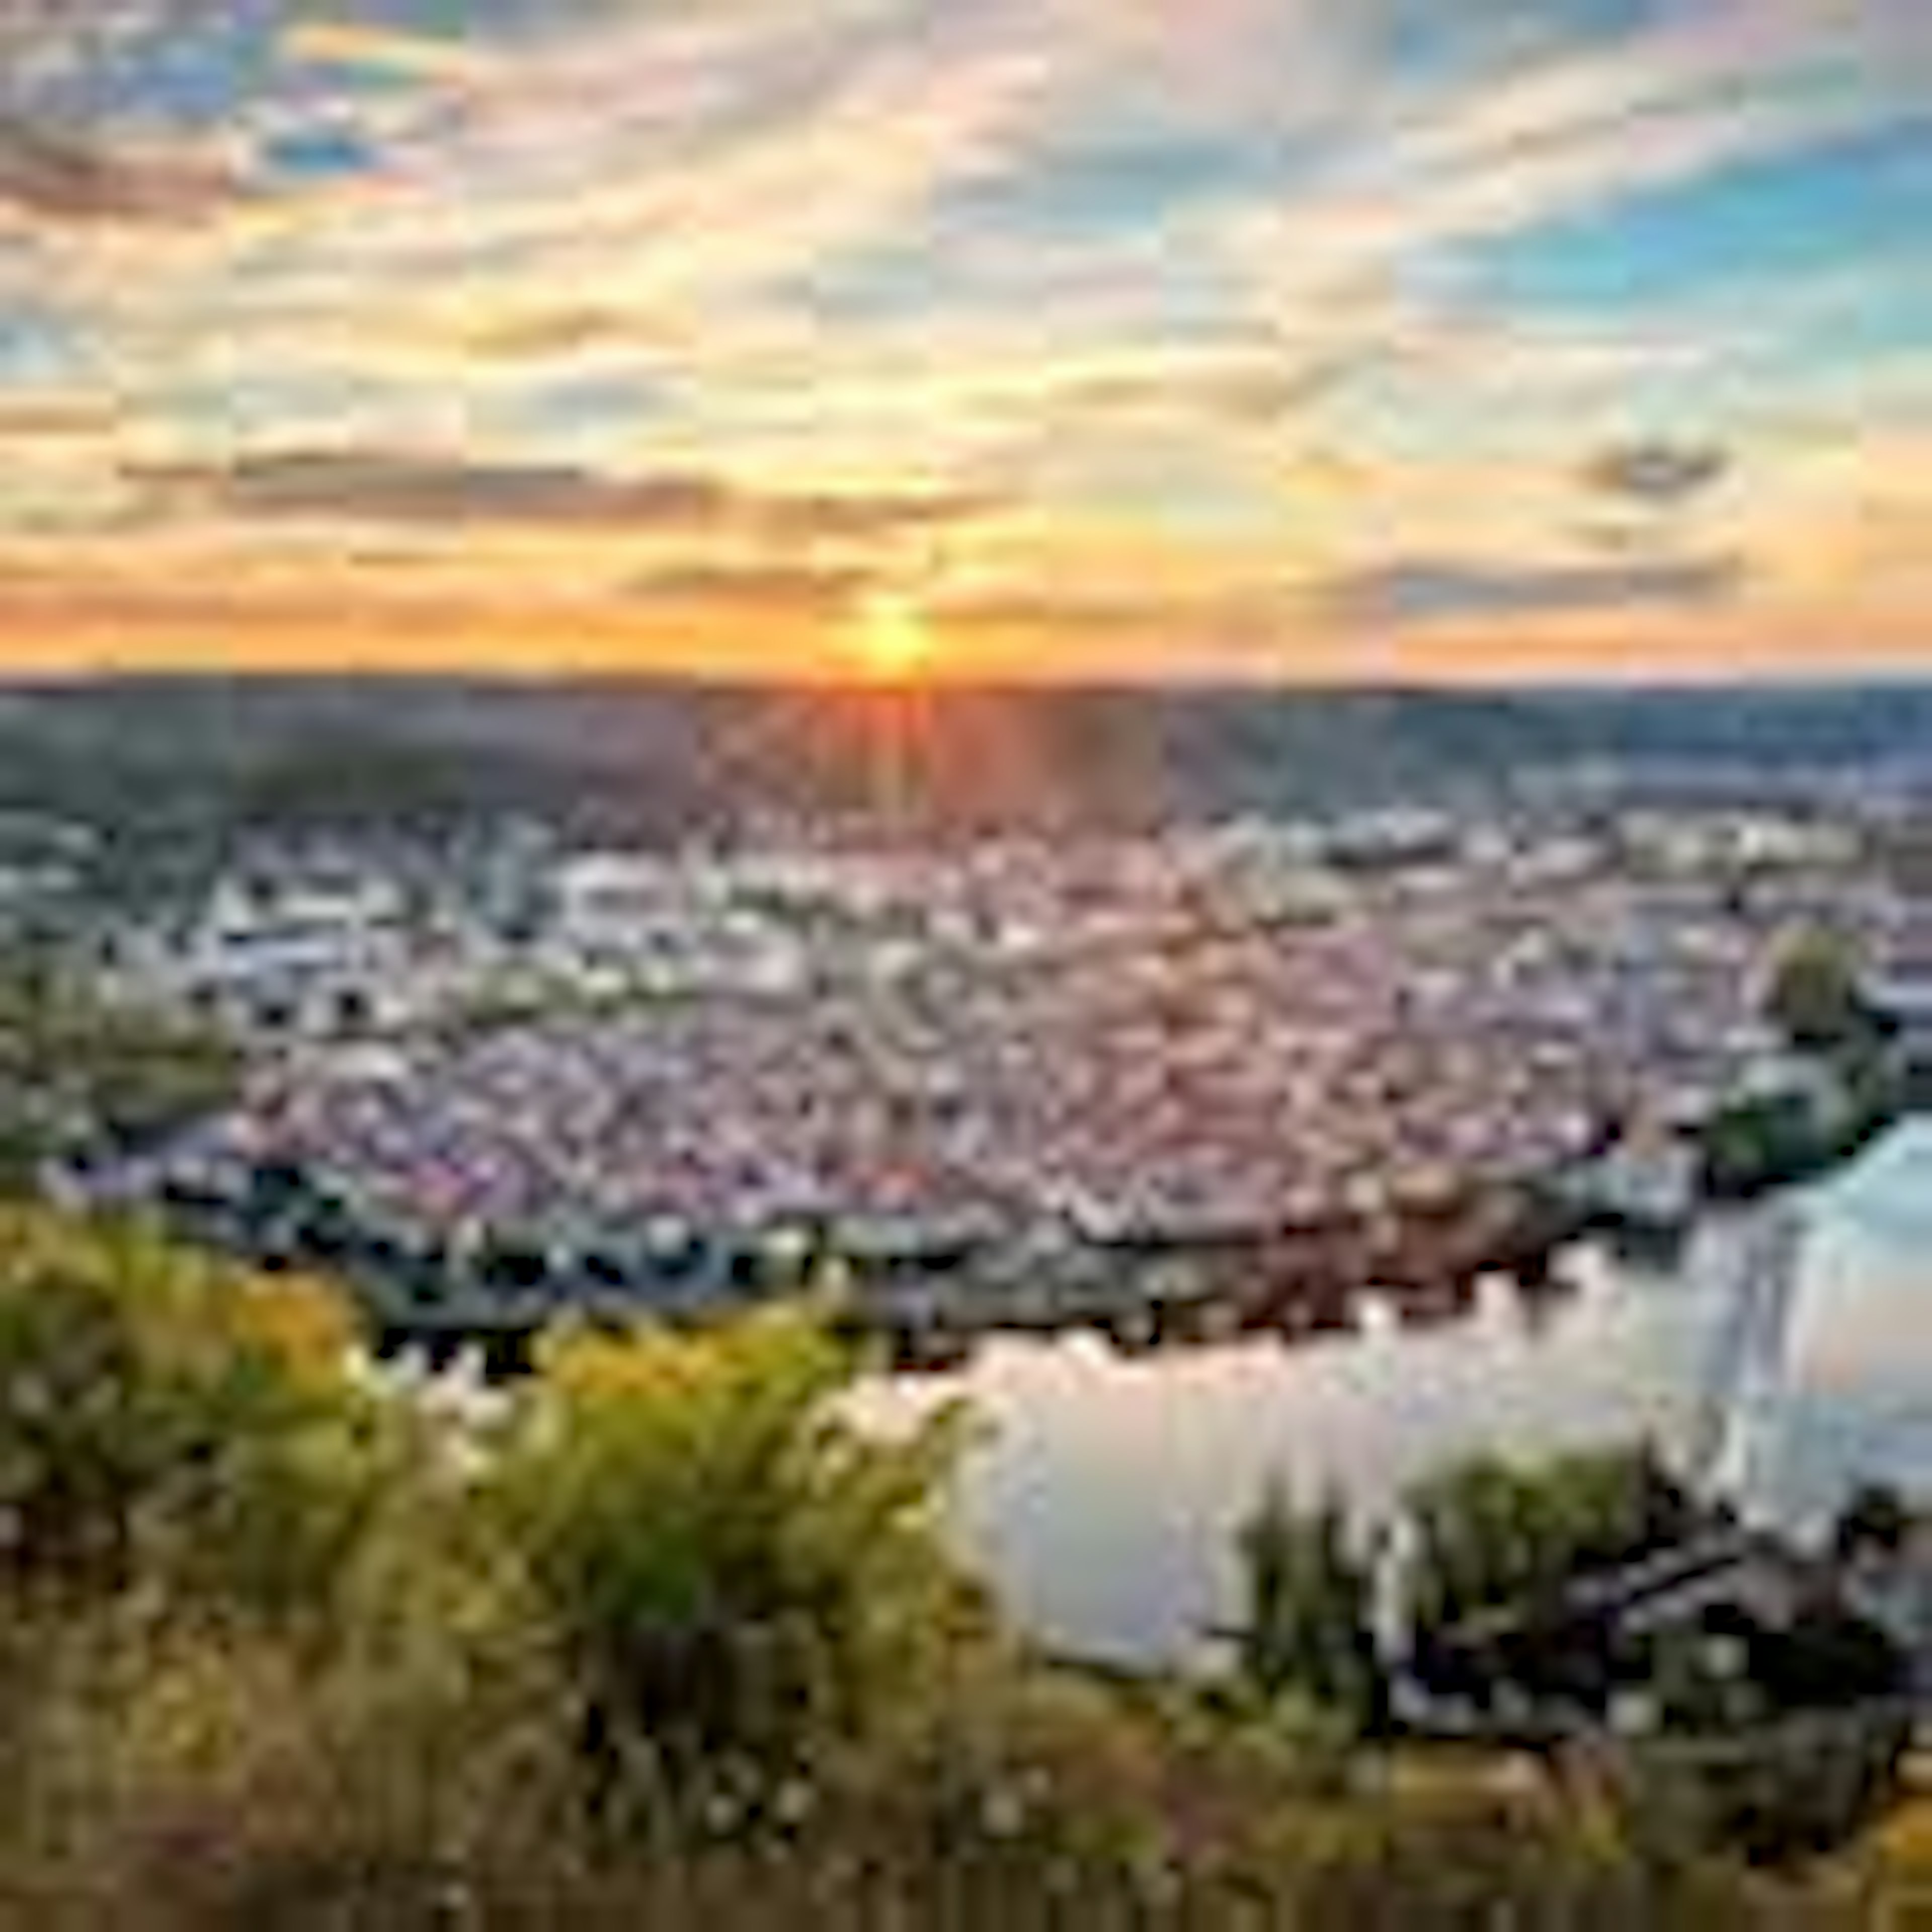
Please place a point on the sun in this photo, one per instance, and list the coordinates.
(892, 643)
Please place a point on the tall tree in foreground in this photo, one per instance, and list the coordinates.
(1305, 1624)
(165, 1417)
(733, 1567)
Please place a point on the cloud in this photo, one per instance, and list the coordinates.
(1567, 135)
(379, 487)
(46, 46)
(545, 332)
(56, 418)
(1426, 590)
(77, 150)
(1658, 474)
(411, 489)
(1099, 615)
(680, 162)
(784, 589)
(51, 176)
(366, 49)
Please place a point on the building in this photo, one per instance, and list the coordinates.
(320, 953)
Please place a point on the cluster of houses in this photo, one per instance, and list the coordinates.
(1222, 1033)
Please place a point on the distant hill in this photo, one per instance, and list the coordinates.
(175, 756)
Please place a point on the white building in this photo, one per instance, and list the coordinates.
(625, 918)
(303, 954)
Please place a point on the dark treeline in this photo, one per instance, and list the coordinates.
(654, 759)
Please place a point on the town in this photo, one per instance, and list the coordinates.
(525, 1075)
(1171, 1089)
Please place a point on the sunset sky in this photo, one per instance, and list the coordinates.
(1319, 338)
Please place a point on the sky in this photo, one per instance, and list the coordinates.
(1247, 339)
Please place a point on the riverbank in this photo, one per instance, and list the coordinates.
(929, 1302)
(1759, 1146)
(929, 1287)
(1142, 1292)
(1110, 1483)
(930, 1293)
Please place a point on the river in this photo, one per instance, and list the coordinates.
(1103, 1498)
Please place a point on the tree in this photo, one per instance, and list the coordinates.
(75, 1073)
(1305, 1625)
(1876, 1516)
(1814, 994)
(1495, 1534)
(731, 1565)
(164, 1415)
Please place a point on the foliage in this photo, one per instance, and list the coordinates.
(1828, 1658)
(169, 1768)
(731, 1564)
(1493, 1533)
(1765, 1141)
(74, 1072)
(1897, 1863)
(157, 1409)
(1815, 995)
(1749, 1145)
(171, 1783)
(1875, 1516)
(1777, 1794)
(274, 1652)
(1305, 1626)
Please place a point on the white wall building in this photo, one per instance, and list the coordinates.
(304, 954)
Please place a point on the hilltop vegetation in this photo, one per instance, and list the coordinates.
(658, 1639)
(77, 1074)
(1816, 997)
(633, 758)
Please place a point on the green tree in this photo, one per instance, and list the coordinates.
(1495, 1533)
(1305, 1619)
(75, 1073)
(164, 1414)
(1814, 994)
(732, 1566)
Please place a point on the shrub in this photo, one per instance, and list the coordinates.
(1305, 1625)
(1494, 1533)
(731, 1566)
(160, 1414)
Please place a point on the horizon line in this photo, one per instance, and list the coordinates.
(1798, 678)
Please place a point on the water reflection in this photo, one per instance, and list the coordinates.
(1319, 1309)
(1858, 1392)
(1104, 1500)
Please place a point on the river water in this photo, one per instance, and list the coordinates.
(1103, 1498)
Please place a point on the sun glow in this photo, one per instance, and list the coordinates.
(892, 642)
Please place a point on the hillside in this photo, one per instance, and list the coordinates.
(655, 759)
(649, 1642)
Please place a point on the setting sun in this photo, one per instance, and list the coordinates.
(891, 641)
